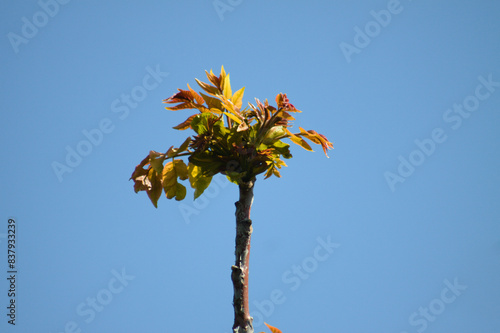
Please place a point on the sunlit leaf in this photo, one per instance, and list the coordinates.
(223, 74)
(208, 88)
(318, 139)
(227, 88)
(284, 103)
(185, 124)
(298, 140)
(313, 136)
(212, 102)
(171, 172)
(196, 96)
(197, 180)
(169, 177)
(233, 117)
(199, 124)
(301, 142)
(182, 106)
(215, 80)
(237, 98)
(273, 329)
(282, 148)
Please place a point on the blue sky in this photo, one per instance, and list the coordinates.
(399, 231)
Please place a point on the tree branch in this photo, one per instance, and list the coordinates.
(239, 275)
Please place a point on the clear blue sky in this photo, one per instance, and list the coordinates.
(399, 231)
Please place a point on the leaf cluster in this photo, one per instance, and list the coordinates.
(234, 141)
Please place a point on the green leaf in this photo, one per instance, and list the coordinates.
(172, 152)
(197, 180)
(209, 163)
(156, 160)
(273, 133)
(184, 146)
(282, 148)
(178, 191)
(181, 169)
(199, 123)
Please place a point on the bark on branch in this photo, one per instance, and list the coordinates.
(239, 275)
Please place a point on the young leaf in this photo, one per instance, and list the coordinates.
(317, 138)
(197, 180)
(181, 169)
(184, 145)
(228, 93)
(196, 96)
(173, 170)
(233, 117)
(211, 90)
(178, 191)
(273, 329)
(156, 160)
(274, 165)
(215, 80)
(141, 182)
(273, 133)
(222, 76)
(154, 191)
(199, 123)
(212, 102)
(284, 103)
(298, 140)
(237, 98)
(185, 124)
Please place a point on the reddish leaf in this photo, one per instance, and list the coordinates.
(317, 139)
(284, 103)
(154, 192)
(211, 90)
(298, 140)
(216, 80)
(273, 329)
(196, 96)
(185, 124)
(212, 102)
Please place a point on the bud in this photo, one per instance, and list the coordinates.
(272, 135)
